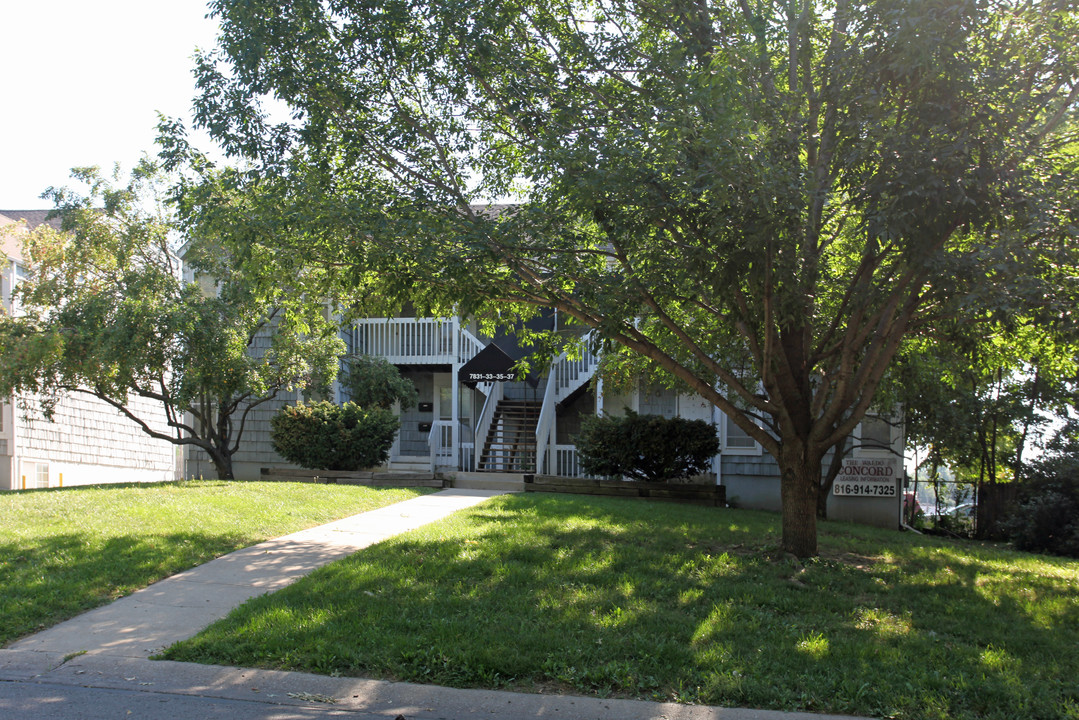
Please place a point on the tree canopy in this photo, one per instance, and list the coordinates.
(759, 199)
(372, 381)
(106, 312)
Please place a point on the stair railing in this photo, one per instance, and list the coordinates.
(566, 375)
(440, 442)
(571, 373)
(546, 420)
(468, 347)
(486, 416)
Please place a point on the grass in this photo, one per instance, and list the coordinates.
(659, 601)
(64, 551)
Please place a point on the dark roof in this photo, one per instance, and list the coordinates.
(33, 218)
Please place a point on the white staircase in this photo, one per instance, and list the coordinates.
(442, 341)
(567, 375)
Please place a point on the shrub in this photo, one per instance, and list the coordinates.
(324, 436)
(1047, 516)
(646, 447)
(375, 382)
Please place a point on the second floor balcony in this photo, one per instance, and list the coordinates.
(414, 341)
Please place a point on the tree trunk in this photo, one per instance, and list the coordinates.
(838, 453)
(800, 477)
(222, 463)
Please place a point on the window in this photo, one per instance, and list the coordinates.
(875, 433)
(18, 276)
(657, 400)
(35, 475)
(737, 441)
(445, 404)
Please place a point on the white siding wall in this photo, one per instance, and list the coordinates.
(88, 442)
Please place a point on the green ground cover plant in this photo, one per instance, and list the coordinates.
(631, 598)
(652, 448)
(64, 551)
(326, 436)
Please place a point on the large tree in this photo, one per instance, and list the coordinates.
(105, 312)
(761, 199)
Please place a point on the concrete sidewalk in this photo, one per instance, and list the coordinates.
(178, 607)
(95, 665)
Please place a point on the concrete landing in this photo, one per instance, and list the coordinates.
(495, 481)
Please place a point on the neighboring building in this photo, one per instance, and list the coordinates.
(88, 441)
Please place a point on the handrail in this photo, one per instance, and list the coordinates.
(486, 416)
(570, 374)
(470, 345)
(567, 462)
(545, 421)
(564, 377)
(468, 451)
(434, 441)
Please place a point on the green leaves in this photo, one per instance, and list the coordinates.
(324, 436)
(647, 447)
(765, 198)
(106, 311)
(375, 382)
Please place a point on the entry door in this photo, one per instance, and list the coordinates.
(443, 413)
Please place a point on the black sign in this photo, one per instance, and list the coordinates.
(491, 364)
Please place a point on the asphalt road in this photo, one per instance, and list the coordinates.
(44, 686)
(34, 701)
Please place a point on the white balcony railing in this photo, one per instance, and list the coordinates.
(567, 462)
(405, 340)
(417, 341)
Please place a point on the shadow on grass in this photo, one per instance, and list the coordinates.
(673, 602)
(53, 578)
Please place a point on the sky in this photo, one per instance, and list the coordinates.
(82, 83)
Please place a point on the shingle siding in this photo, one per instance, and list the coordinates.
(87, 442)
(86, 430)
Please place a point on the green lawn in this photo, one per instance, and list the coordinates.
(67, 550)
(661, 601)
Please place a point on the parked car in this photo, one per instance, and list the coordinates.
(963, 511)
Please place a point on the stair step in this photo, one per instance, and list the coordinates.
(510, 444)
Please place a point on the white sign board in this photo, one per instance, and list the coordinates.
(868, 477)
